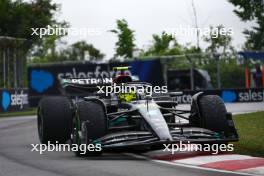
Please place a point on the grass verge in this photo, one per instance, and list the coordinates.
(250, 128)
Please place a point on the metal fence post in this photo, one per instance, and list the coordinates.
(4, 69)
(15, 67)
(191, 72)
(218, 74)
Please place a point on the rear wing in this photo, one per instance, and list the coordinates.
(83, 86)
(92, 82)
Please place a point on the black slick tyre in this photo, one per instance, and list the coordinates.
(54, 120)
(93, 123)
(213, 112)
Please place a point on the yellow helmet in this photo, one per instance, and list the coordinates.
(127, 97)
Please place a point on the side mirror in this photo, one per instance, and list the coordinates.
(175, 94)
(148, 97)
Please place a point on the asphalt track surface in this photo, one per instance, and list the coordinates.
(16, 158)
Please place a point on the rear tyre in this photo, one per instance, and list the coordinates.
(54, 120)
(92, 123)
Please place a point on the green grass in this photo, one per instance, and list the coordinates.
(251, 134)
(30, 111)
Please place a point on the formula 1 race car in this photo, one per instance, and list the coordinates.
(84, 115)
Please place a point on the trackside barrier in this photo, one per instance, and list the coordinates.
(13, 100)
(44, 79)
(228, 95)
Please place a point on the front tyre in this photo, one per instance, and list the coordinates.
(91, 123)
(213, 110)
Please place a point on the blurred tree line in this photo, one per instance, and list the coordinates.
(18, 19)
(252, 10)
(78, 51)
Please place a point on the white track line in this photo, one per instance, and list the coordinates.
(200, 160)
(186, 165)
(255, 170)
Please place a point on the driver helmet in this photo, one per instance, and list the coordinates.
(127, 97)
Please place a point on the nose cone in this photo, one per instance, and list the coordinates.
(155, 119)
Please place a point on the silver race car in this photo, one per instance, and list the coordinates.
(84, 115)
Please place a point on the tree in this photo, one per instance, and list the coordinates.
(46, 50)
(232, 75)
(75, 52)
(252, 10)
(19, 17)
(126, 38)
(167, 45)
(81, 48)
(164, 44)
(218, 40)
